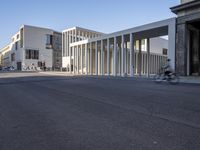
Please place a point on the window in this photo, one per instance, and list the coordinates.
(17, 36)
(49, 41)
(32, 54)
(13, 57)
(39, 64)
(22, 36)
(16, 45)
(165, 51)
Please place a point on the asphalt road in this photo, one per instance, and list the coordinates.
(43, 112)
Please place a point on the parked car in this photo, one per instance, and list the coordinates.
(11, 68)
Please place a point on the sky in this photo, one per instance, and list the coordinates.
(102, 15)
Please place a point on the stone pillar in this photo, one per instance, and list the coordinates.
(102, 58)
(77, 53)
(114, 57)
(70, 59)
(131, 55)
(172, 41)
(125, 58)
(108, 57)
(148, 57)
(91, 59)
(96, 58)
(181, 50)
(140, 58)
(63, 41)
(122, 56)
(86, 59)
(81, 53)
(73, 60)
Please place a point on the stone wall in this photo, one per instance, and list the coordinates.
(186, 1)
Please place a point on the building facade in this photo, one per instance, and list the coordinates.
(34, 48)
(188, 37)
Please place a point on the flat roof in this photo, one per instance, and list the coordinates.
(184, 6)
(161, 25)
(84, 29)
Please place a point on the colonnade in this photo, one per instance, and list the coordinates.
(116, 56)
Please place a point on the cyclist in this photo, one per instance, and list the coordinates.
(168, 68)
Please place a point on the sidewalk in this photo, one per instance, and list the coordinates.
(57, 73)
(190, 79)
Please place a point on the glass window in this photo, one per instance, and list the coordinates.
(32, 54)
(16, 45)
(165, 51)
(13, 57)
(49, 41)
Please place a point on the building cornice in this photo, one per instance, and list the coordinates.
(185, 6)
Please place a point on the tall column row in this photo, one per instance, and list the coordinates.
(104, 57)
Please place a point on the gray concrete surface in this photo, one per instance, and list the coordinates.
(45, 112)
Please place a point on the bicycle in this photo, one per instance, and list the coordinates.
(172, 77)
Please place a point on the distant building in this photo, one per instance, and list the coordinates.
(188, 37)
(34, 48)
(5, 57)
(72, 35)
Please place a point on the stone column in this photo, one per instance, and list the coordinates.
(63, 41)
(181, 50)
(140, 58)
(125, 58)
(102, 60)
(148, 57)
(91, 59)
(73, 60)
(122, 56)
(96, 58)
(86, 59)
(70, 39)
(81, 59)
(181, 40)
(131, 55)
(77, 53)
(114, 57)
(108, 57)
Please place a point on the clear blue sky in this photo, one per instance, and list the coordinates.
(101, 15)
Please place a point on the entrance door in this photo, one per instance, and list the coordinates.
(19, 66)
(194, 50)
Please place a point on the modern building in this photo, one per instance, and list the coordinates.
(188, 37)
(135, 51)
(72, 35)
(5, 57)
(35, 48)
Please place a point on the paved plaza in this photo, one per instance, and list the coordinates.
(43, 111)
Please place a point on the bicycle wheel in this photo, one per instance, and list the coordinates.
(174, 79)
(157, 78)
